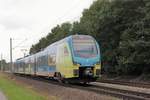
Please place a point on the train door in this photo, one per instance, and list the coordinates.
(35, 64)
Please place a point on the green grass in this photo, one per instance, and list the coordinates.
(14, 91)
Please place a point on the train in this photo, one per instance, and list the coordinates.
(75, 58)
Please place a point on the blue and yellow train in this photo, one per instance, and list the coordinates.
(76, 58)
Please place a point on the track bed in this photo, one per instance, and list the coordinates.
(60, 91)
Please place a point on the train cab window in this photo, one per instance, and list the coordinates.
(84, 47)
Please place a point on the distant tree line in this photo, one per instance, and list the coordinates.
(121, 27)
(4, 66)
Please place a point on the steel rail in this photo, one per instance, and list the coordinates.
(119, 93)
(135, 84)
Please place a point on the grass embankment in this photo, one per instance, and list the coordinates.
(14, 91)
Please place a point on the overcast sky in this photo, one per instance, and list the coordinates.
(26, 21)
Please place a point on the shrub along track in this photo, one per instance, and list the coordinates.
(120, 93)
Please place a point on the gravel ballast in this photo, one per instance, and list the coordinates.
(57, 92)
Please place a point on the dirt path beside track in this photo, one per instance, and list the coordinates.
(59, 92)
(2, 96)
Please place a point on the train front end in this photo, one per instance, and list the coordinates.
(86, 58)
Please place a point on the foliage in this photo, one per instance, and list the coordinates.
(3, 65)
(57, 33)
(121, 27)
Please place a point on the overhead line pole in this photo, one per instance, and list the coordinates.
(11, 62)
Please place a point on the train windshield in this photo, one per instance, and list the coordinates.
(84, 46)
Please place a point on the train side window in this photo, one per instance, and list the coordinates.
(52, 56)
(66, 52)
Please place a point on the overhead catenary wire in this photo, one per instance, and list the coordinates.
(52, 24)
(59, 19)
(55, 22)
(46, 30)
(19, 43)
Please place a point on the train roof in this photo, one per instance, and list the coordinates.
(65, 39)
(53, 44)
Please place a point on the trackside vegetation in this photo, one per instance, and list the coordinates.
(14, 91)
(121, 27)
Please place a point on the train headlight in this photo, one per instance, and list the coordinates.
(98, 71)
(98, 63)
(76, 72)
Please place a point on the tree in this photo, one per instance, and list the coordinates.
(135, 41)
(57, 33)
(121, 27)
(3, 65)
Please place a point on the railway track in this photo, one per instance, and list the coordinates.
(135, 84)
(119, 93)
